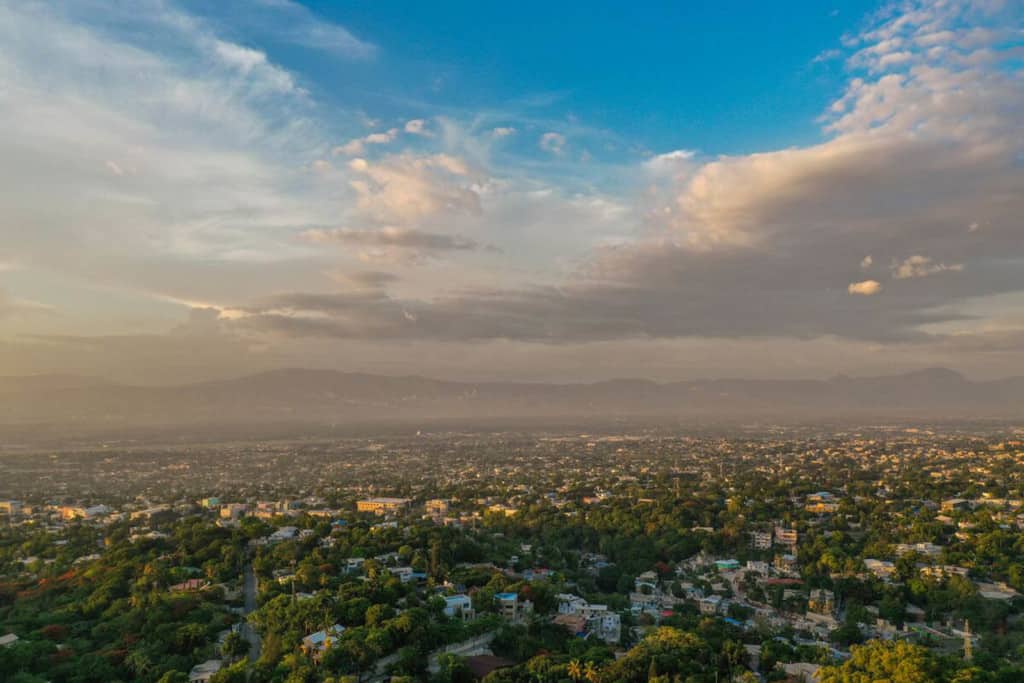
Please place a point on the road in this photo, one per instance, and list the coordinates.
(248, 632)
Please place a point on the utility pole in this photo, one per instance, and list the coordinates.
(968, 647)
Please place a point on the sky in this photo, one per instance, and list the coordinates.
(550, 192)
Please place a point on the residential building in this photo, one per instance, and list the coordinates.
(383, 505)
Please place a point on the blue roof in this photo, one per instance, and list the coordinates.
(506, 596)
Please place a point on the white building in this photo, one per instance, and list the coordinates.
(202, 673)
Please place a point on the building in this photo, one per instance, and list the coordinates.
(786, 563)
(69, 512)
(285, 533)
(786, 537)
(202, 673)
(822, 601)
(882, 569)
(510, 607)
(761, 540)
(8, 640)
(710, 605)
(383, 505)
(459, 606)
(233, 510)
(596, 620)
(316, 644)
(954, 504)
(11, 508)
(436, 509)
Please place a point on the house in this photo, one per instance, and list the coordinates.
(597, 620)
(640, 602)
(953, 504)
(882, 569)
(189, 586)
(759, 566)
(202, 673)
(569, 603)
(710, 604)
(821, 601)
(511, 609)
(802, 672)
(285, 533)
(603, 623)
(316, 644)
(233, 510)
(928, 549)
(459, 606)
(786, 563)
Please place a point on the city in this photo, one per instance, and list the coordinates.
(519, 556)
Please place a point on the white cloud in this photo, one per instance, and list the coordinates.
(407, 189)
(358, 145)
(292, 22)
(864, 287)
(503, 131)
(417, 127)
(921, 266)
(553, 143)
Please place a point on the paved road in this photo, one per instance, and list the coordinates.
(248, 632)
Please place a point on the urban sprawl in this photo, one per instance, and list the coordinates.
(764, 554)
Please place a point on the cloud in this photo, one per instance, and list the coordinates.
(553, 143)
(370, 278)
(758, 245)
(11, 307)
(393, 237)
(407, 189)
(198, 136)
(920, 266)
(358, 146)
(417, 127)
(213, 147)
(291, 22)
(864, 287)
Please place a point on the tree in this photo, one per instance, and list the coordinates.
(897, 662)
(235, 646)
(173, 677)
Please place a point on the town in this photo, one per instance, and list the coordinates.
(754, 554)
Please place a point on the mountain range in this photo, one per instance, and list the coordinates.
(331, 397)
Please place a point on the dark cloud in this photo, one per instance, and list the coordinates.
(371, 278)
(405, 238)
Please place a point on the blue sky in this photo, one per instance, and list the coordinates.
(553, 191)
(719, 77)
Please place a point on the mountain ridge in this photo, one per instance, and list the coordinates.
(332, 396)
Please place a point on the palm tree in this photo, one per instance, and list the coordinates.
(591, 673)
(575, 670)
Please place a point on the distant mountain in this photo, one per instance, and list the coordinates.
(329, 397)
